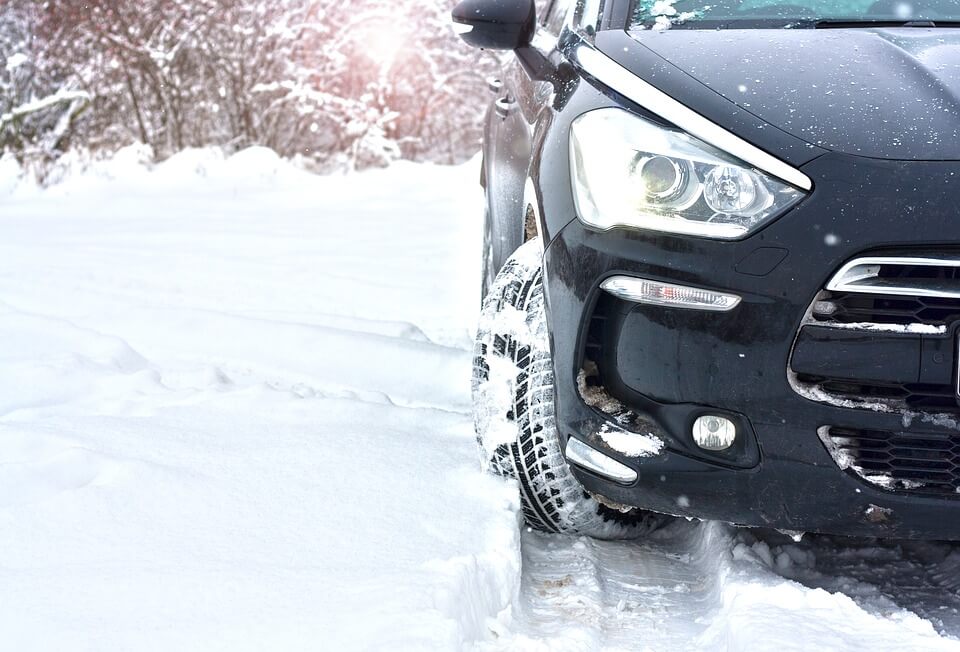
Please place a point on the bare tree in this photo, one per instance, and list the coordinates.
(353, 84)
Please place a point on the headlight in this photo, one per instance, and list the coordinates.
(630, 172)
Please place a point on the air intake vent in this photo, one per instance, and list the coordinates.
(904, 461)
(893, 290)
(853, 308)
(882, 336)
(915, 397)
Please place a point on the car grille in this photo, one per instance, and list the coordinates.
(852, 307)
(906, 397)
(919, 462)
(902, 304)
(882, 335)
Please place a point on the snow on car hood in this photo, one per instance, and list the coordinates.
(882, 93)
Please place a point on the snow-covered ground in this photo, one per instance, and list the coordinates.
(234, 414)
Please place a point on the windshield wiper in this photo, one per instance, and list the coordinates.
(843, 24)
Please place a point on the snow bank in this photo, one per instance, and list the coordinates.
(234, 415)
(761, 611)
(234, 411)
(10, 175)
(762, 615)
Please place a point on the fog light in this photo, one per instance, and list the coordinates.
(714, 433)
(825, 308)
(590, 458)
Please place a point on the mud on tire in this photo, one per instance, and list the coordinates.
(513, 403)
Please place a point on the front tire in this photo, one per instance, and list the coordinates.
(513, 402)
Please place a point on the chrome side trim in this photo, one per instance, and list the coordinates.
(593, 460)
(612, 74)
(863, 275)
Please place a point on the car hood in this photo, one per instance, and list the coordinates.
(882, 93)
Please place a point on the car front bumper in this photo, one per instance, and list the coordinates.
(671, 365)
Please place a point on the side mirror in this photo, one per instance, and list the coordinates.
(496, 24)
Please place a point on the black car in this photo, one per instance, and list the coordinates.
(722, 262)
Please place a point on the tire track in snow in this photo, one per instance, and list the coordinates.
(580, 593)
(711, 586)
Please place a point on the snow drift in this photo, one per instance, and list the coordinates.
(233, 411)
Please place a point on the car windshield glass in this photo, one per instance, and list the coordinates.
(739, 14)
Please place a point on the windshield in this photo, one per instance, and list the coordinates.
(713, 14)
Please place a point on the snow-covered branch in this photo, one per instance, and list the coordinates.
(322, 80)
(62, 96)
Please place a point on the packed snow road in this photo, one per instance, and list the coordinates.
(707, 586)
(234, 414)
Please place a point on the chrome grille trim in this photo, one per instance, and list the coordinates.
(863, 275)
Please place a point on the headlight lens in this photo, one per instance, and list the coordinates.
(631, 172)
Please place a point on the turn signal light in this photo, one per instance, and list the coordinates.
(641, 290)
